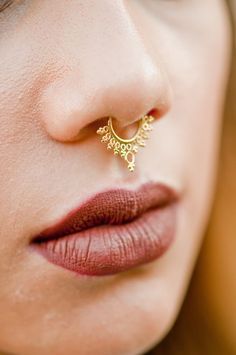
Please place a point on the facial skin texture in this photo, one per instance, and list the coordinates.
(65, 65)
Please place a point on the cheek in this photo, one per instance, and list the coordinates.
(23, 74)
(194, 49)
(198, 73)
(197, 65)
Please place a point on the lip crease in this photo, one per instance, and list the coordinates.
(112, 231)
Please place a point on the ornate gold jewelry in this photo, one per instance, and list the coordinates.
(126, 148)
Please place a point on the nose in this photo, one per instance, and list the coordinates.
(113, 75)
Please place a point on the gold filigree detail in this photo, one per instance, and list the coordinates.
(126, 148)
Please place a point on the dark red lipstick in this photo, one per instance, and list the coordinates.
(113, 231)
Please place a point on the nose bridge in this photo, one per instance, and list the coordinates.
(118, 47)
(115, 55)
(121, 77)
(112, 74)
(108, 37)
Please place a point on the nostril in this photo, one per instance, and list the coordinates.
(90, 128)
(157, 114)
(126, 129)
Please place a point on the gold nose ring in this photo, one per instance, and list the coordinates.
(126, 148)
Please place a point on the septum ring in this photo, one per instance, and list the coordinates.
(126, 148)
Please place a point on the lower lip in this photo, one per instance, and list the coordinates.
(111, 249)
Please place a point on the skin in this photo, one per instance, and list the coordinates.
(65, 67)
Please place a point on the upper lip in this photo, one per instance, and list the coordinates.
(116, 206)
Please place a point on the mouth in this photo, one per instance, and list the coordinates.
(113, 231)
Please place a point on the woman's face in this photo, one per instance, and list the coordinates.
(65, 67)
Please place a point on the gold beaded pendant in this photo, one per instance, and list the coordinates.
(126, 148)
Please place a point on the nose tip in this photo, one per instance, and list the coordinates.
(112, 74)
(140, 94)
(69, 105)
